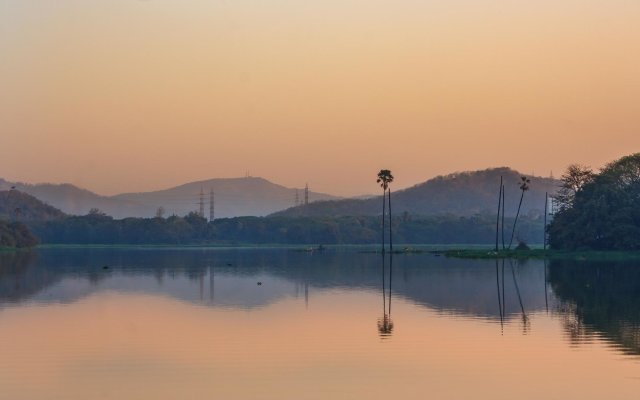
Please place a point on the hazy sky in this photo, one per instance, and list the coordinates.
(126, 95)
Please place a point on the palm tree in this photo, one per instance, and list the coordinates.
(384, 179)
(524, 186)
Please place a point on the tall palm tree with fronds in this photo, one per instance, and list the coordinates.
(384, 179)
(524, 186)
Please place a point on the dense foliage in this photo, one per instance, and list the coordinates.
(604, 212)
(97, 228)
(20, 206)
(16, 234)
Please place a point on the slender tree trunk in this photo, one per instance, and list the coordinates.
(384, 201)
(515, 221)
(390, 225)
(498, 217)
(503, 217)
(544, 231)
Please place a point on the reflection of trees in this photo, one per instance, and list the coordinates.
(500, 282)
(447, 285)
(385, 324)
(599, 299)
(17, 279)
(526, 323)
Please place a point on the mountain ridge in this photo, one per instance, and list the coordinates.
(459, 193)
(245, 196)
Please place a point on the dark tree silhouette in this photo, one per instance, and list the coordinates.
(573, 180)
(604, 212)
(498, 217)
(384, 179)
(524, 186)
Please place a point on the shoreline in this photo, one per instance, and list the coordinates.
(449, 251)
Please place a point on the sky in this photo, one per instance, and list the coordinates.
(135, 95)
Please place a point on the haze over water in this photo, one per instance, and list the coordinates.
(166, 324)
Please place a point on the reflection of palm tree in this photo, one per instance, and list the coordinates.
(384, 179)
(385, 324)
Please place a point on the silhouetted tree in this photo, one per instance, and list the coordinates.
(384, 179)
(524, 186)
(604, 213)
(573, 180)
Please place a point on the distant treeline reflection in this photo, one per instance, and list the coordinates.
(599, 299)
(97, 228)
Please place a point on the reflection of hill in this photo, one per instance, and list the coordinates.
(599, 299)
(228, 277)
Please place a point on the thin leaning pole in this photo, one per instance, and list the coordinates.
(498, 217)
(546, 210)
(503, 246)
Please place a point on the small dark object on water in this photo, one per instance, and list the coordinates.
(105, 267)
(259, 283)
(229, 264)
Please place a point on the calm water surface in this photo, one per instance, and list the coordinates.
(280, 324)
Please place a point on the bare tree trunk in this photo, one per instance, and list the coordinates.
(384, 201)
(503, 217)
(544, 231)
(515, 221)
(498, 217)
(390, 225)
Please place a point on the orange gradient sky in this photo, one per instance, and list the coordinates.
(131, 95)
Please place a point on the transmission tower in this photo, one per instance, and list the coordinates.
(306, 194)
(201, 202)
(211, 206)
(297, 198)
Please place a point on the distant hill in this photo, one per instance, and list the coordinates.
(74, 200)
(233, 197)
(20, 206)
(463, 193)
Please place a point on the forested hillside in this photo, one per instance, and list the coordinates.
(464, 194)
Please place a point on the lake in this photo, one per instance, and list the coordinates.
(339, 324)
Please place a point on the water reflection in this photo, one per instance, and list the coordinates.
(385, 324)
(526, 324)
(227, 278)
(599, 300)
(593, 299)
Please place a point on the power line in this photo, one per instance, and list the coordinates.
(306, 194)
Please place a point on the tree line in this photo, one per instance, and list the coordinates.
(98, 228)
(599, 211)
